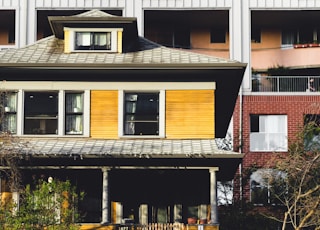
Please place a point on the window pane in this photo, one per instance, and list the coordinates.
(83, 38)
(267, 186)
(141, 114)
(41, 113)
(74, 113)
(8, 121)
(218, 35)
(288, 37)
(74, 102)
(255, 35)
(102, 41)
(306, 35)
(271, 135)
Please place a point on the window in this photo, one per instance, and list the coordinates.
(42, 110)
(312, 131)
(255, 35)
(300, 36)
(141, 113)
(218, 35)
(7, 27)
(267, 186)
(9, 112)
(268, 133)
(93, 41)
(41, 113)
(74, 113)
(288, 38)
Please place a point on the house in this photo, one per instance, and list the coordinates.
(130, 122)
(273, 37)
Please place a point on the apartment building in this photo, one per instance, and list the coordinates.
(277, 39)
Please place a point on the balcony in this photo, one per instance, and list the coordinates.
(285, 83)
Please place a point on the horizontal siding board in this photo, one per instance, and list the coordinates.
(190, 114)
(77, 3)
(104, 114)
(185, 3)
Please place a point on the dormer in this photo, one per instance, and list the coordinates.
(96, 31)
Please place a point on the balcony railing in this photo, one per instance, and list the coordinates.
(285, 83)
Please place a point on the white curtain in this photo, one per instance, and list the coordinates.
(74, 113)
(10, 121)
(272, 135)
(84, 39)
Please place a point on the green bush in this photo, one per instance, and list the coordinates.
(44, 205)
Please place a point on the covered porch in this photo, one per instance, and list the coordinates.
(160, 184)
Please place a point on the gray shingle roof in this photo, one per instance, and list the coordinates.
(49, 51)
(155, 148)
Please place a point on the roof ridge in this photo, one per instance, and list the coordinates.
(94, 13)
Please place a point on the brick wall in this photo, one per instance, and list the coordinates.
(293, 106)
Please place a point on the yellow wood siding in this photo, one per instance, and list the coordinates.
(104, 114)
(67, 41)
(189, 114)
(119, 42)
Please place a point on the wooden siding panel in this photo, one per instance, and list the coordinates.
(104, 114)
(190, 114)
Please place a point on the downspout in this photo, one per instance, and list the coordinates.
(240, 140)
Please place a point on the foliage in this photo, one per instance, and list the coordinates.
(44, 205)
(301, 199)
(245, 216)
(278, 71)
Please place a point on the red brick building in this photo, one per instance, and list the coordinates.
(291, 108)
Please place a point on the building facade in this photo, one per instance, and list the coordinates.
(277, 39)
(130, 122)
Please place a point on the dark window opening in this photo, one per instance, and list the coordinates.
(305, 35)
(41, 113)
(254, 123)
(217, 35)
(179, 28)
(7, 27)
(141, 115)
(255, 35)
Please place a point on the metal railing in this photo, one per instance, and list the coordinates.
(285, 83)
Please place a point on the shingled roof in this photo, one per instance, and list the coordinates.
(49, 52)
(155, 148)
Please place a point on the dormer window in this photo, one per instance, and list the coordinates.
(93, 39)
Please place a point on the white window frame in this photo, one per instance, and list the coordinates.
(61, 113)
(121, 94)
(114, 38)
(265, 140)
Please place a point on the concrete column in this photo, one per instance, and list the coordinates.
(105, 196)
(213, 196)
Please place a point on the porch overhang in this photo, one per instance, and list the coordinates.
(80, 153)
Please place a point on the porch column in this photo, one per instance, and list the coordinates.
(177, 213)
(105, 196)
(213, 196)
